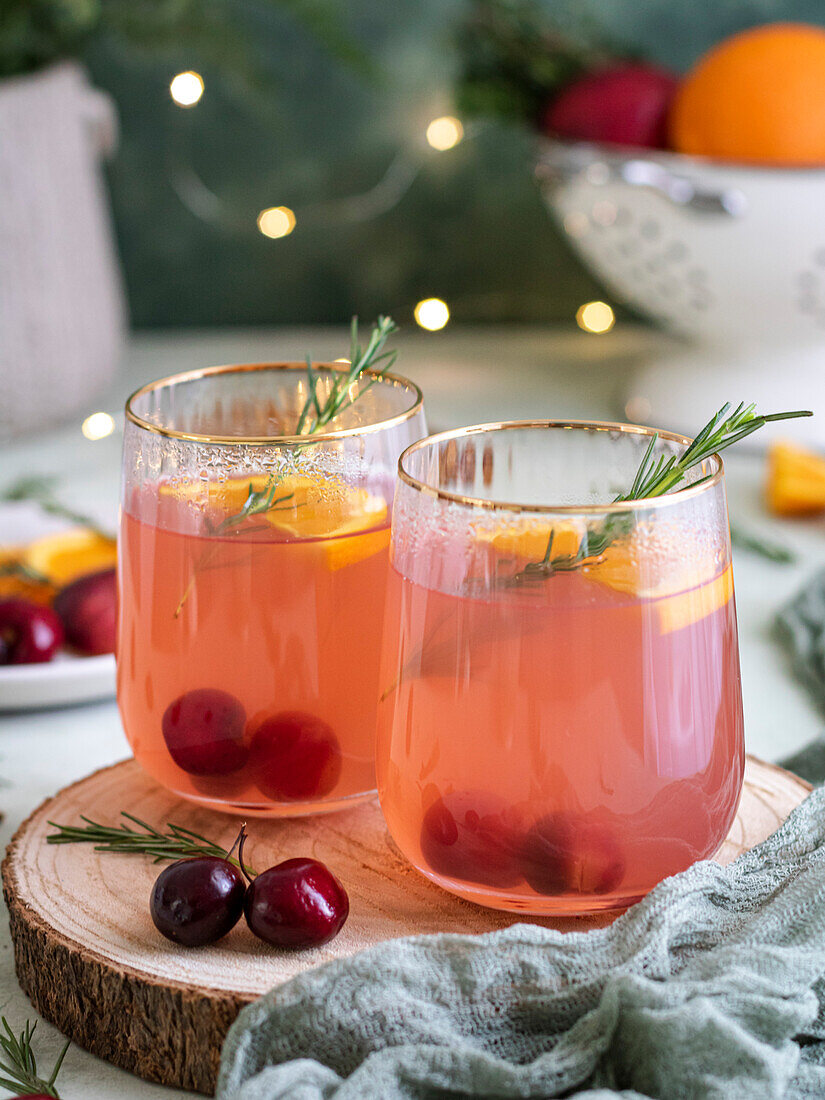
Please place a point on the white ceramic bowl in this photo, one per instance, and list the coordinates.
(731, 256)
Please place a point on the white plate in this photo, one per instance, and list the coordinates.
(68, 678)
(65, 680)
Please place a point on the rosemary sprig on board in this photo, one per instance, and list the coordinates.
(40, 490)
(656, 477)
(175, 843)
(18, 1064)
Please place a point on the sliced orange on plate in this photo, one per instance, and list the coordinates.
(16, 582)
(796, 481)
(67, 555)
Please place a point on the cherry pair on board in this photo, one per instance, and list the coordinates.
(292, 755)
(297, 903)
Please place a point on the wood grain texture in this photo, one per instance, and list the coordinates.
(92, 962)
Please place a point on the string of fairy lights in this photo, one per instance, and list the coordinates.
(275, 222)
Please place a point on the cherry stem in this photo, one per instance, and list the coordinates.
(237, 843)
(240, 842)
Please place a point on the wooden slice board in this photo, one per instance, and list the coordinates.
(92, 962)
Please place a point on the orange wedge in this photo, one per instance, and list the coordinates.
(690, 607)
(305, 507)
(18, 584)
(70, 554)
(677, 603)
(316, 509)
(796, 481)
(529, 540)
(342, 552)
(229, 496)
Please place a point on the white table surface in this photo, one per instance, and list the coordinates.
(468, 376)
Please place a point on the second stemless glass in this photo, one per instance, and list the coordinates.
(252, 582)
(561, 715)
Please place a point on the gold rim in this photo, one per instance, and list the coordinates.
(397, 381)
(561, 509)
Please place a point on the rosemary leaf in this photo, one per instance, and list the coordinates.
(18, 1064)
(176, 843)
(655, 479)
(40, 490)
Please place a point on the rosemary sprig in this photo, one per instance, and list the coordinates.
(765, 548)
(176, 843)
(340, 397)
(25, 572)
(656, 477)
(18, 1064)
(39, 489)
(315, 415)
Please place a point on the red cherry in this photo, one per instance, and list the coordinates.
(295, 756)
(29, 633)
(88, 610)
(473, 836)
(203, 730)
(197, 901)
(626, 105)
(566, 853)
(297, 903)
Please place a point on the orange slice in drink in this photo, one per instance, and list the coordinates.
(678, 601)
(690, 607)
(530, 540)
(344, 517)
(70, 554)
(304, 507)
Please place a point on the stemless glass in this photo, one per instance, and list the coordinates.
(561, 717)
(249, 637)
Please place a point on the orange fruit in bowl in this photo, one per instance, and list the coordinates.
(757, 97)
(70, 554)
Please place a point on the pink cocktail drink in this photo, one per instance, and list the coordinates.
(282, 631)
(252, 576)
(557, 741)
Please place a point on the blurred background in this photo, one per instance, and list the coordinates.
(323, 108)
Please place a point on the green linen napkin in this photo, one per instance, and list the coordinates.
(800, 626)
(711, 987)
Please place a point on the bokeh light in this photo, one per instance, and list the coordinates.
(276, 221)
(445, 133)
(638, 410)
(98, 425)
(186, 88)
(596, 317)
(432, 314)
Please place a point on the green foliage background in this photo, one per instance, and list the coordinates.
(306, 104)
